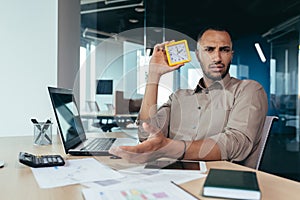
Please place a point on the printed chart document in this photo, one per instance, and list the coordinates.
(159, 190)
(140, 175)
(74, 171)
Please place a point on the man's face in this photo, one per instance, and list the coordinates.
(214, 54)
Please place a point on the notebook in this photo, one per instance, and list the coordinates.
(233, 184)
(71, 130)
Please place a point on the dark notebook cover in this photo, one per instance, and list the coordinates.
(231, 184)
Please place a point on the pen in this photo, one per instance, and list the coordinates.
(184, 190)
(45, 127)
(42, 129)
(34, 121)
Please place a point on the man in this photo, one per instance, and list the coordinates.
(221, 119)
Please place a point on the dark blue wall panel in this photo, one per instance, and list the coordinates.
(246, 54)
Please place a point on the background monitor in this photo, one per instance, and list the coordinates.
(104, 86)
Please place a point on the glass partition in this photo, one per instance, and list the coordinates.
(122, 55)
(284, 93)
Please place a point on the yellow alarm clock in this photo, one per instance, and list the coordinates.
(177, 52)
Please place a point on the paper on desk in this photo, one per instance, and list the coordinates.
(177, 176)
(140, 175)
(74, 171)
(160, 190)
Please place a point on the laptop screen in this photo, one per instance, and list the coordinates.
(67, 116)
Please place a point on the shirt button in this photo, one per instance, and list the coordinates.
(199, 107)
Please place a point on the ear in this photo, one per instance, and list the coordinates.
(197, 55)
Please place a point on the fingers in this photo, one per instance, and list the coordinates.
(177, 66)
(161, 46)
(124, 150)
(159, 62)
(147, 150)
(117, 151)
(129, 153)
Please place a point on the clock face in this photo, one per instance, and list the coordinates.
(178, 53)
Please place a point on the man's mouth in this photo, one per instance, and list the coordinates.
(216, 68)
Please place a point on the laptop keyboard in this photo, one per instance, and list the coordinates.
(99, 144)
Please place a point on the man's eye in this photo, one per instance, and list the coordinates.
(225, 50)
(209, 49)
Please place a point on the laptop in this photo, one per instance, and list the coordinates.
(72, 133)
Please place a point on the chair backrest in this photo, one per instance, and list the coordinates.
(92, 106)
(254, 159)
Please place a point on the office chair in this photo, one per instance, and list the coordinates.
(93, 106)
(258, 153)
(102, 123)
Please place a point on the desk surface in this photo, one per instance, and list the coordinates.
(17, 181)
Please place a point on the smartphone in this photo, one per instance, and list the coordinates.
(177, 165)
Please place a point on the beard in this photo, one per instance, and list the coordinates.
(217, 77)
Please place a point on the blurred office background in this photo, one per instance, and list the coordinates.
(100, 48)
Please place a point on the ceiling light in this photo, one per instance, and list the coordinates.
(260, 52)
(139, 9)
(134, 21)
(157, 30)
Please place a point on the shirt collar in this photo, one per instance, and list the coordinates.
(216, 85)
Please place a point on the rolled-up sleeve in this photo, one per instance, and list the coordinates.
(245, 122)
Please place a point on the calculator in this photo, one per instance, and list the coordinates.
(40, 160)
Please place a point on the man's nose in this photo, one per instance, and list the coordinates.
(216, 56)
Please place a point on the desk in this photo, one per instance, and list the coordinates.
(92, 115)
(17, 181)
(117, 120)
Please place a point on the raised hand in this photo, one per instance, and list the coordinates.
(153, 148)
(159, 63)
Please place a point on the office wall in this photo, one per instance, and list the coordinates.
(68, 43)
(28, 63)
(109, 65)
(246, 54)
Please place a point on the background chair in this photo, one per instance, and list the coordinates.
(127, 105)
(105, 123)
(253, 161)
(92, 106)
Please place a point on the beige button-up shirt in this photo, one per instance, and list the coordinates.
(231, 112)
